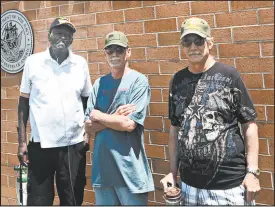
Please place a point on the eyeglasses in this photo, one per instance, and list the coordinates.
(198, 42)
(118, 49)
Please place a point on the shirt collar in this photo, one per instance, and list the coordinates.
(70, 58)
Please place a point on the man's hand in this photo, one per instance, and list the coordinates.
(125, 110)
(23, 153)
(252, 186)
(95, 114)
(168, 181)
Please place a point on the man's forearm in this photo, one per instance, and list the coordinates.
(116, 122)
(23, 115)
(250, 131)
(96, 127)
(173, 145)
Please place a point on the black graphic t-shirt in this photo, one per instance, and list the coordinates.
(207, 108)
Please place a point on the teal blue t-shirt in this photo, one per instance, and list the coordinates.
(119, 157)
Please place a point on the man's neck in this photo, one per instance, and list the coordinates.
(203, 66)
(59, 57)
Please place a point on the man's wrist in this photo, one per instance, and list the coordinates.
(254, 171)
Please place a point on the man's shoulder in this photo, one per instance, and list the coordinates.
(226, 69)
(139, 78)
(36, 57)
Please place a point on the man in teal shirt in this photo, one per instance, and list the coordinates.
(115, 113)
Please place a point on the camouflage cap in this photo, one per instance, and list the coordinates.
(195, 25)
(116, 38)
(62, 21)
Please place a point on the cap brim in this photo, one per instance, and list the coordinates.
(67, 25)
(193, 32)
(116, 43)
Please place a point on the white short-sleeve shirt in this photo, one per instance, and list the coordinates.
(56, 110)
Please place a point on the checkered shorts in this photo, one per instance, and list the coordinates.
(195, 196)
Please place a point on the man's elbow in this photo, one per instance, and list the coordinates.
(130, 126)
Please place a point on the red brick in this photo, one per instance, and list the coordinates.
(72, 9)
(4, 180)
(13, 5)
(80, 33)
(255, 65)
(12, 148)
(265, 180)
(253, 33)
(270, 113)
(260, 113)
(221, 35)
(239, 50)
(41, 36)
(12, 115)
(159, 80)
(3, 115)
(236, 18)
(253, 80)
(30, 15)
(146, 137)
(156, 95)
(83, 20)
(44, 13)
(99, 30)
(93, 68)
(38, 25)
(227, 61)
(109, 17)
(7, 170)
(243, 5)
(100, 42)
(126, 4)
(10, 81)
(167, 124)
(160, 166)
(56, 3)
(271, 146)
(157, 109)
(266, 196)
(9, 103)
(163, 53)
(96, 57)
(263, 147)
(161, 25)
(12, 159)
(202, 7)
(139, 14)
(104, 68)
(145, 67)
(89, 196)
(13, 202)
(130, 27)
(153, 123)
(159, 138)
(269, 80)
(8, 192)
(4, 201)
(12, 137)
(28, 5)
(154, 151)
(169, 67)
(97, 6)
(3, 136)
(262, 96)
(151, 3)
(266, 163)
(266, 16)
(40, 47)
(209, 18)
(145, 40)
(82, 54)
(267, 48)
(84, 44)
(173, 10)
(159, 195)
(170, 38)
(9, 126)
(266, 130)
(4, 159)
(137, 54)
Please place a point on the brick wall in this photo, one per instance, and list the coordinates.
(243, 32)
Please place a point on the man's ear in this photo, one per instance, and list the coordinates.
(128, 53)
(50, 36)
(210, 43)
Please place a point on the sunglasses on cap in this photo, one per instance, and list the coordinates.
(118, 49)
(198, 42)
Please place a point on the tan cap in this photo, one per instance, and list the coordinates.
(62, 21)
(195, 25)
(116, 38)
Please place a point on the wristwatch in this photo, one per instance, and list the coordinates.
(254, 171)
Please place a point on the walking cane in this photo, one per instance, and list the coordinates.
(20, 187)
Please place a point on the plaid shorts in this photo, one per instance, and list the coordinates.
(195, 196)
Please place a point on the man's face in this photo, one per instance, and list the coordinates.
(196, 48)
(117, 55)
(61, 38)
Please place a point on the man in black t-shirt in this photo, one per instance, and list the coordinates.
(208, 102)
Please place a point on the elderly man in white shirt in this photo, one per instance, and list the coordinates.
(54, 91)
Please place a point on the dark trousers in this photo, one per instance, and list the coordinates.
(45, 163)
